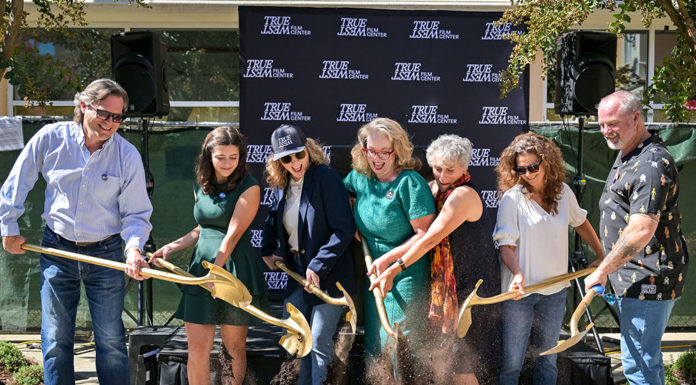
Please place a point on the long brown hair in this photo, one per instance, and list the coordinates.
(277, 175)
(403, 148)
(545, 149)
(205, 172)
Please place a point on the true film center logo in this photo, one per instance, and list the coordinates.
(280, 25)
(412, 72)
(276, 280)
(256, 236)
(263, 68)
(282, 111)
(481, 157)
(499, 115)
(430, 29)
(355, 112)
(490, 198)
(481, 73)
(357, 27)
(339, 69)
(429, 114)
(498, 32)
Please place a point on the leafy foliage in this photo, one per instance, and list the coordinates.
(683, 370)
(39, 77)
(29, 375)
(11, 358)
(547, 20)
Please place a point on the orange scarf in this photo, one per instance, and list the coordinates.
(443, 285)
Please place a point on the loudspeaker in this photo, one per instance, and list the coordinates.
(138, 64)
(585, 70)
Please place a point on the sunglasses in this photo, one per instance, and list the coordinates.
(288, 158)
(106, 115)
(532, 168)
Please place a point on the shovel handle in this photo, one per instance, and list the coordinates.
(146, 272)
(315, 290)
(533, 288)
(376, 292)
(580, 310)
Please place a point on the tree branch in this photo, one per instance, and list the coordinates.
(14, 21)
(688, 25)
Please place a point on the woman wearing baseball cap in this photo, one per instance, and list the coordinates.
(309, 227)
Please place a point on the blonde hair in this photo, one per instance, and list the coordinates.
(544, 148)
(277, 175)
(403, 148)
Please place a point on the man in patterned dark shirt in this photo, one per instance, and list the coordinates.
(645, 252)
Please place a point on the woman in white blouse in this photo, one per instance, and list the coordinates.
(532, 234)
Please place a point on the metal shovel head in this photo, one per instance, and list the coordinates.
(298, 340)
(464, 321)
(567, 344)
(227, 287)
(352, 314)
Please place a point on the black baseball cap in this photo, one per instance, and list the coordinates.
(287, 140)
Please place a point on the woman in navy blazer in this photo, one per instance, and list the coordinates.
(309, 227)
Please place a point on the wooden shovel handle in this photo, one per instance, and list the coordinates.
(376, 292)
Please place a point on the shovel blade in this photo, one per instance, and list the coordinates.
(297, 343)
(567, 344)
(227, 287)
(352, 315)
(464, 320)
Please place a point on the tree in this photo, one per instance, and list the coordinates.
(674, 83)
(39, 76)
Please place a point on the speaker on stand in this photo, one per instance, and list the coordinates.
(585, 73)
(138, 64)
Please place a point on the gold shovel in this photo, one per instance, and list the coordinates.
(575, 334)
(464, 321)
(298, 341)
(377, 293)
(346, 300)
(225, 286)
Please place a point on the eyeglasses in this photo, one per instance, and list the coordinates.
(532, 168)
(105, 115)
(288, 158)
(377, 154)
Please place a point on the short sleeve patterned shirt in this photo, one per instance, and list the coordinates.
(645, 181)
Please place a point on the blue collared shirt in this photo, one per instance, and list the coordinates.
(88, 197)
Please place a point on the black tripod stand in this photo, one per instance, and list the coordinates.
(578, 260)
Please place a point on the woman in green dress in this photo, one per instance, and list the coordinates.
(226, 201)
(393, 202)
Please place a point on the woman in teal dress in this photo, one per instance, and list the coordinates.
(393, 202)
(226, 201)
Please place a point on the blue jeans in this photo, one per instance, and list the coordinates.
(642, 325)
(60, 294)
(538, 315)
(323, 320)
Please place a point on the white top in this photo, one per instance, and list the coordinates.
(292, 210)
(541, 239)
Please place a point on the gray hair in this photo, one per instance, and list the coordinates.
(99, 89)
(450, 147)
(629, 103)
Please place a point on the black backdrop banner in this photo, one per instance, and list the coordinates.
(329, 71)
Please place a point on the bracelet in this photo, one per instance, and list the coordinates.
(401, 263)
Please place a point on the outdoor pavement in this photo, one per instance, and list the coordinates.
(673, 345)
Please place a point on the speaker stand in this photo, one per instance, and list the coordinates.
(145, 306)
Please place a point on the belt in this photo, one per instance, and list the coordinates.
(83, 244)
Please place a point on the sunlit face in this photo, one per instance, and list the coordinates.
(225, 161)
(535, 179)
(380, 155)
(447, 171)
(96, 129)
(297, 167)
(619, 130)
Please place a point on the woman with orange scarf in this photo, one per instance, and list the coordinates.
(462, 252)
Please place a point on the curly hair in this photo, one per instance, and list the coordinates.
(544, 148)
(450, 147)
(403, 148)
(205, 172)
(277, 175)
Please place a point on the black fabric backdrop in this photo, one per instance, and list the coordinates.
(329, 71)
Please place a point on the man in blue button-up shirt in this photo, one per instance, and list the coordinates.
(95, 196)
